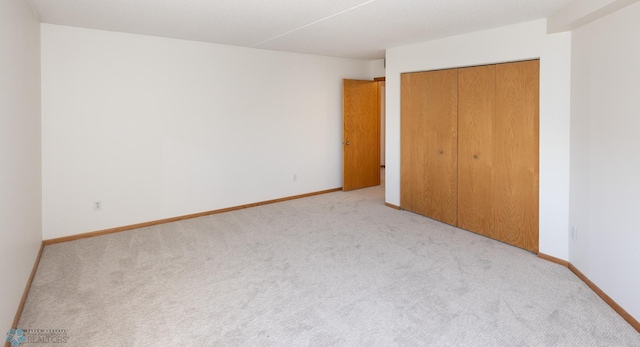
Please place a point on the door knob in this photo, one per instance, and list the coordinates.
(345, 143)
(441, 151)
(475, 156)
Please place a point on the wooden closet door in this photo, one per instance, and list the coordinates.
(476, 109)
(516, 154)
(429, 170)
(413, 127)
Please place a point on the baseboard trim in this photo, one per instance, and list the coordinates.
(553, 259)
(26, 290)
(614, 305)
(392, 206)
(179, 218)
(607, 299)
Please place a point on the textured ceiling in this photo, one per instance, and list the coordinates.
(342, 28)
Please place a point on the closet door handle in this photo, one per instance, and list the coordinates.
(441, 152)
(475, 156)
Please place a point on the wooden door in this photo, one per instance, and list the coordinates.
(476, 109)
(361, 134)
(428, 183)
(516, 154)
(413, 129)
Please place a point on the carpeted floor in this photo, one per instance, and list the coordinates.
(338, 269)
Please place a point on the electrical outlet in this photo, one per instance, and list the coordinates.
(574, 233)
(97, 205)
(295, 177)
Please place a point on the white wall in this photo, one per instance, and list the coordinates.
(377, 68)
(157, 128)
(20, 170)
(517, 42)
(605, 155)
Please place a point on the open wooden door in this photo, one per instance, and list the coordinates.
(361, 134)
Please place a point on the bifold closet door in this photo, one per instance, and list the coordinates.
(515, 161)
(429, 165)
(476, 110)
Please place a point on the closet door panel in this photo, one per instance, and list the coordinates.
(442, 146)
(516, 154)
(413, 129)
(429, 167)
(476, 108)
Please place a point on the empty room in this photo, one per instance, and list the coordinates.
(320, 173)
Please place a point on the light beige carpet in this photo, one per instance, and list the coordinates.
(338, 269)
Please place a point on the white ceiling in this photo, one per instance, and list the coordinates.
(355, 29)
